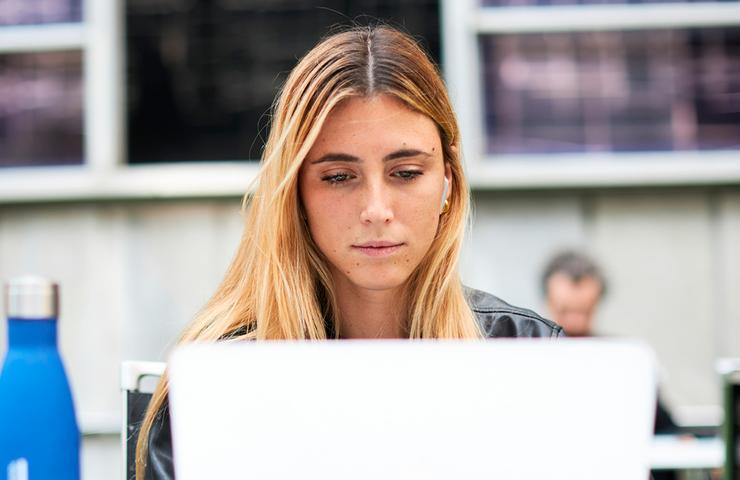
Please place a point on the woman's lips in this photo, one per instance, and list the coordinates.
(378, 249)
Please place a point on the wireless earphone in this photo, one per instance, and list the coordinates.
(445, 187)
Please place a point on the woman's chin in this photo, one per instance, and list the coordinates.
(379, 282)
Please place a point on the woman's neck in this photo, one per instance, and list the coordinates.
(370, 313)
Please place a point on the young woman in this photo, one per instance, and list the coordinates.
(355, 226)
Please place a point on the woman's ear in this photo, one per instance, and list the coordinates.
(448, 176)
(444, 202)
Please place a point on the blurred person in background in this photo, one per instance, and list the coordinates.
(573, 286)
(355, 225)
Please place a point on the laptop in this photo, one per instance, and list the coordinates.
(497, 409)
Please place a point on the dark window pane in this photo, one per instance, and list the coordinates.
(612, 91)
(202, 74)
(26, 12)
(41, 109)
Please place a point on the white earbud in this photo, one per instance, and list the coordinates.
(444, 192)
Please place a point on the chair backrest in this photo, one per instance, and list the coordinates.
(730, 371)
(138, 380)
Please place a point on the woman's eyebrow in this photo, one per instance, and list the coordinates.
(407, 152)
(336, 157)
(345, 157)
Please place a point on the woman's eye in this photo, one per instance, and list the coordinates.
(337, 178)
(407, 174)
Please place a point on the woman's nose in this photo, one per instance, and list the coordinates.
(376, 207)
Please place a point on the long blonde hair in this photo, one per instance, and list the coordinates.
(278, 285)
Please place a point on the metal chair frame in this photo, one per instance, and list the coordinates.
(135, 402)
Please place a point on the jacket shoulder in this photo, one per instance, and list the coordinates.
(499, 319)
(160, 465)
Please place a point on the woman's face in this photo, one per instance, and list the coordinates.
(372, 188)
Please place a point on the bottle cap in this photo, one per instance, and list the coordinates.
(31, 297)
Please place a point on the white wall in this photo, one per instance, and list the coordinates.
(133, 273)
(670, 256)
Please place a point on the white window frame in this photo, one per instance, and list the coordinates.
(104, 174)
(465, 21)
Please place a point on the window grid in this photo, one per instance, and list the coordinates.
(99, 36)
(466, 74)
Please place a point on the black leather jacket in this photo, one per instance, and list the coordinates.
(497, 319)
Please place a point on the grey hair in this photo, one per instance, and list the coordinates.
(576, 266)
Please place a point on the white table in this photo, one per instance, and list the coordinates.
(676, 452)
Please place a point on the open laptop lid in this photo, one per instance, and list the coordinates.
(503, 409)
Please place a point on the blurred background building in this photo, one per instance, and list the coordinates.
(130, 128)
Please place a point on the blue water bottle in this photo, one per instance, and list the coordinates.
(39, 438)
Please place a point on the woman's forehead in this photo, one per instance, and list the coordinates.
(378, 121)
(381, 104)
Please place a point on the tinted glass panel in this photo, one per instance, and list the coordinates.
(41, 109)
(202, 74)
(26, 12)
(612, 91)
